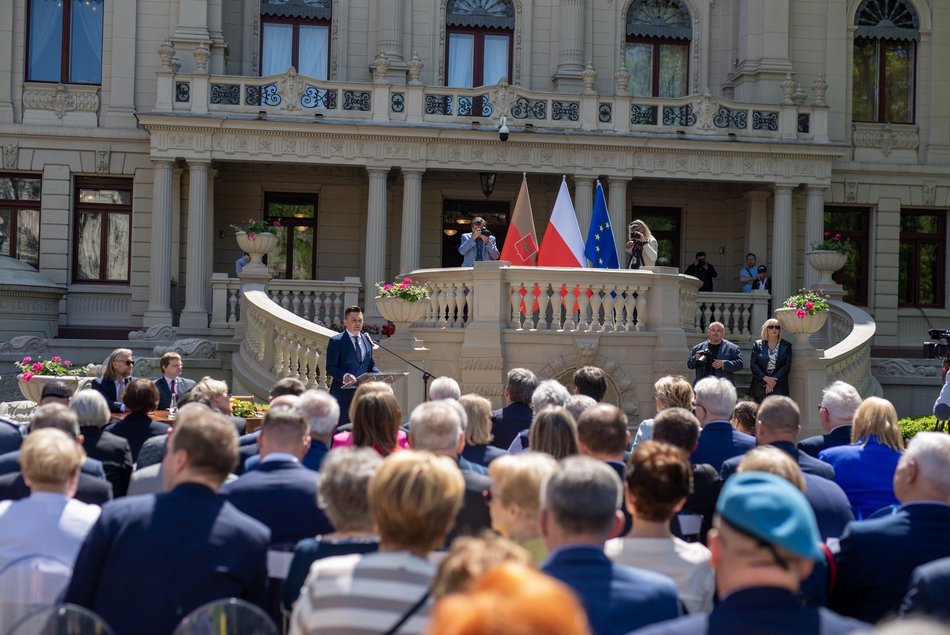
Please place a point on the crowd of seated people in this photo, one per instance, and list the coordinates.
(541, 517)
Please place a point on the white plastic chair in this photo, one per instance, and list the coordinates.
(63, 619)
(28, 584)
(230, 616)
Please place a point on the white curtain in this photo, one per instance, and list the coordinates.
(277, 49)
(46, 40)
(461, 59)
(314, 51)
(496, 59)
(85, 42)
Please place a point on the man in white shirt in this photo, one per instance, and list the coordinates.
(49, 522)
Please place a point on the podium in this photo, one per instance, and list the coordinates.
(389, 378)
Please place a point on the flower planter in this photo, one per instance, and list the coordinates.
(401, 311)
(801, 328)
(33, 389)
(826, 263)
(256, 248)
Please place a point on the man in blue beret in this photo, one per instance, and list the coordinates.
(764, 542)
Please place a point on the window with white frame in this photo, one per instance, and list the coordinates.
(884, 64)
(296, 33)
(479, 34)
(657, 48)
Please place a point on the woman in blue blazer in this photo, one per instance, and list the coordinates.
(771, 361)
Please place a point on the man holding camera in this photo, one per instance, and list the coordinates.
(716, 357)
(702, 270)
(478, 245)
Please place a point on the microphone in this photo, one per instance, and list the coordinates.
(426, 375)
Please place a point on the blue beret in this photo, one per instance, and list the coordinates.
(770, 508)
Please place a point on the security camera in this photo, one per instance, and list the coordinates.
(503, 129)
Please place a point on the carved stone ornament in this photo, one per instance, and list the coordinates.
(590, 76)
(193, 347)
(885, 137)
(61, 100)
(291, 89)
(29, 344)
(820, 87)
(167, 54)
(502, 97)
(903, 368)
(930, 193)
(788, 89)
(799, 95)
(622, 79)
(380, 67)
(705, 110)
(10, 155)
(851, 191)
(482, 363)
(103, 160)
(202, 53)
(157, 332)
(415, 69)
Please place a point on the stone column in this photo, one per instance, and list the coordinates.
(122, 92)
(376, 238)
(411, 220)
(757, 231)
(782, 255)
(6, 62)
(195, 313)
(884, 290)
(814, 227)
(584, 202)
(571, 51)
(617, 210)
(389, 31)
(160, 267)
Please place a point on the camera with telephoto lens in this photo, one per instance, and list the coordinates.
(935, 349)
(701, 355)
(485, 232)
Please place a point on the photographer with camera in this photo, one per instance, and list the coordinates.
(641, 245)
(702, 270)
(716, 357)
(478, 245)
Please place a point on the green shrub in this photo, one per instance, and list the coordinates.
(912, 425)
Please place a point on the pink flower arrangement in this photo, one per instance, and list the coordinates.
(832, 243)
(254, 227)
(807, 303)
(405, 289)
(55, 367)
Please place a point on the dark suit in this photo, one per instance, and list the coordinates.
(618, 599)
(507, 422)
(106, 388)
(165, 393)
(718, 442)
(812, 446)
(342, 359)
(473, 517)
(730, 355)
(830, 504)
(482, 454)
(759, 364)
(762, 610)
(150, 560)
(114, 453)
(92, 490)
(929, 590)
(10, 436)
(706, 487)
(136, 428)
(312, 460)
(282, 495)
(10, 464)
(808, 464)
(877, 556)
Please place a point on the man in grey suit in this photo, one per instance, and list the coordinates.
(171, 382)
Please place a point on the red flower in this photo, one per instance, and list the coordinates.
(801, 314)
(827, 234)
(27, 360)
(809, 305)
(27, 376)
(277, 222)
(250, 235)
(38, 367)
(67, 363)
(56, 359)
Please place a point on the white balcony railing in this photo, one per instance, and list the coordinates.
(317, 301)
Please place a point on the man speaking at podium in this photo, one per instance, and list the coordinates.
(349, 355)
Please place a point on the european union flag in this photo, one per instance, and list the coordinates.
(600, 248)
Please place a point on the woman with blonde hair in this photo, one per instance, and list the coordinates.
(641, 245)
(514, 499)
(478, 437)
(865, 469)
(672, 391)
(771, 361)
(376, 417)
(554, 432)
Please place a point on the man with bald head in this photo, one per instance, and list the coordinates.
(716, 357)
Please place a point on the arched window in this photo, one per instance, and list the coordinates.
(295, 33)
(885, 61)
(657, 51)
(479, 34)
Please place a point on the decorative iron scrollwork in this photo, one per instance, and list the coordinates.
(270, 95)
(314, 97)
(524, 108)
(356, 100)
(226, 94)
(465, 106)
(678, 116)
(182, 92)
(728, 118)
(438, 104)
(252, 95)
(565, 111)
(397, 103)
(804, 122)
(604, 113)
(765, 120)
(641, 115)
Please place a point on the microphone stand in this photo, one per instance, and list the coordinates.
(426, 375)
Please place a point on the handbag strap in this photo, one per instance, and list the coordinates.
(412, 610)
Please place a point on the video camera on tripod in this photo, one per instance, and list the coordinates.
(934, 348)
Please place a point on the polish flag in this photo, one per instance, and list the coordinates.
(521, 242)
(562, 245)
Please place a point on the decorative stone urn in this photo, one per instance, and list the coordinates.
(826, 263)
(801, 328)
(257, 247)
(33, 389)
(401, 312)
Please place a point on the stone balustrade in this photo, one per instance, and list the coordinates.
(318, 301)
